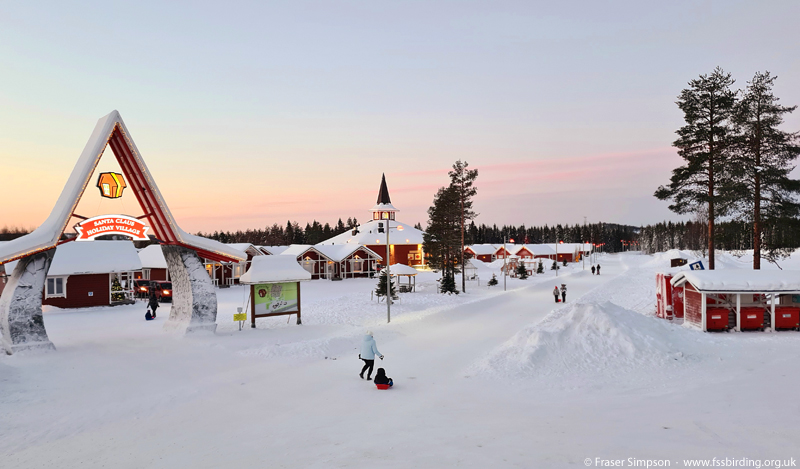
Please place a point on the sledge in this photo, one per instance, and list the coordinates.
(382, 386)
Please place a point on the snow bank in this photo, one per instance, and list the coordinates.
(590, 339)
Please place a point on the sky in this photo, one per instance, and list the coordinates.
(254, 113)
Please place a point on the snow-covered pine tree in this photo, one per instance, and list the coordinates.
(554, 266)
(540, 269)
(522, 272)
(493, 280)
(380, 290)
(565, 262)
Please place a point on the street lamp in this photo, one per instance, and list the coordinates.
(505, 257)
(557, 267)
(388, 271)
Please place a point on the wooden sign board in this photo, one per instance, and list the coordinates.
(274, 299)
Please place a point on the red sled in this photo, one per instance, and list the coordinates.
(382, 386)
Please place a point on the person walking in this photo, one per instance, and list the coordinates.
(592, 270)
(555, 293)
(564, 292)
(369, 350)
(598, 269)
(153, 303)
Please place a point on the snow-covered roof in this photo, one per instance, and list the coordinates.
(272, 269)
(47, 235)
(94, 257)
(741, 280)
(540, 249)
(296, 250)
(368, 235)
(152, 257)
(482, 249)
(384, 208)
(340, 252)
(273, 250)
(402, 269)
(246, 248)
(333, 252)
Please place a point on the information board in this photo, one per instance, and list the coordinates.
(275, 299)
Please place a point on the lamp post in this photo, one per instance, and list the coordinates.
(557, 267)
(388, 272)
(505, 262)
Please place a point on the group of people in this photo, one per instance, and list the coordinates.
(369, 350)
(562, 292)
(596, 268)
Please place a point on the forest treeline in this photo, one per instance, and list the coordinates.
(611, 235)
(735, 235)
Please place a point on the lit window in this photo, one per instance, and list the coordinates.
(385, 215)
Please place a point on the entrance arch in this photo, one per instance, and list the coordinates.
(194, 302)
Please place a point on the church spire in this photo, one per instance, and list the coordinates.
(383, 193)
(383, 210)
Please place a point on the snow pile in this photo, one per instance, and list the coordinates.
(590, 339)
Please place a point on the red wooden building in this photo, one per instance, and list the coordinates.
(82, 273)
(719, 300)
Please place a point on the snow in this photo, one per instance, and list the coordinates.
(94, 257)
(368, 234)
(482, 249)
(733, 280)
(589, 338)
(274, 250)
(486, 378)
(246, 248)
(267, 269)
(152, 257)
(402, 269)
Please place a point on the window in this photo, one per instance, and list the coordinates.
(146, 274)
(56, 287)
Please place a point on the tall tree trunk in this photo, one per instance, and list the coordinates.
(711, 206)
(757, 205)
(463, 276)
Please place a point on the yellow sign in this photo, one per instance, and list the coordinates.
(111, 185)
(240, 317)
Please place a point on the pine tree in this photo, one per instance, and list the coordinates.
(554, 266)
(493, 280)
(540, 269)
(116, 291)
(704, 143)
(380, 290)
(441, 239)
(462, 180)
(565, 262)
(763, 161)
(522, 272)
(448, 283)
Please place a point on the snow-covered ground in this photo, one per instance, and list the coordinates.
(485, 379)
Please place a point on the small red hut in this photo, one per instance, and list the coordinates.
(719, 300)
